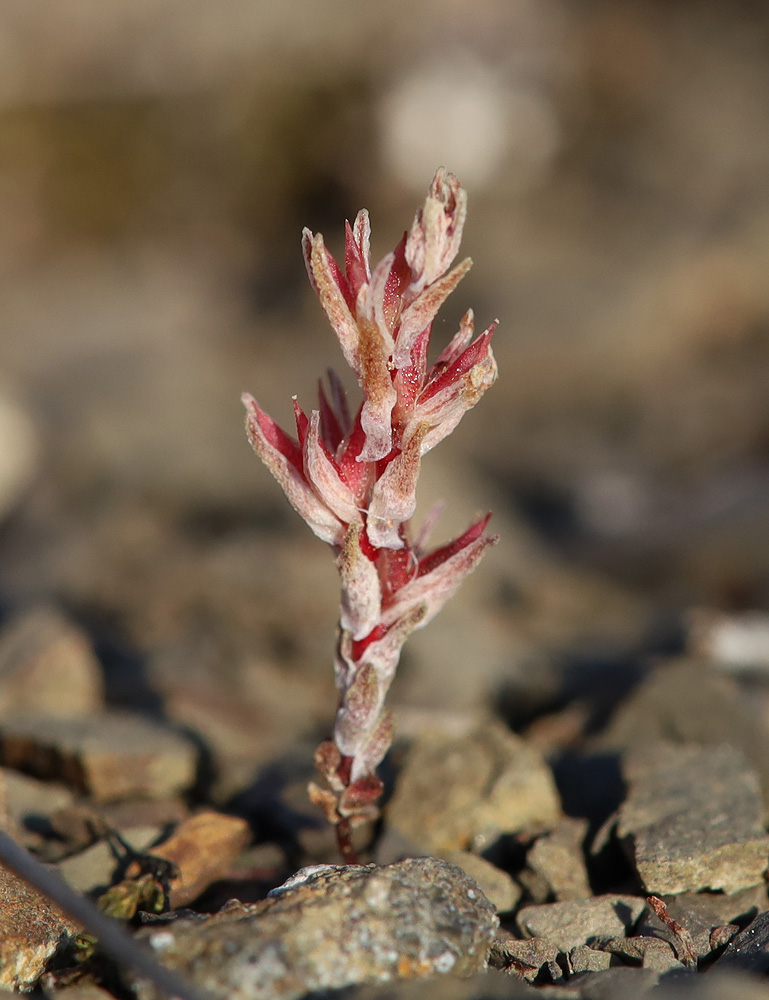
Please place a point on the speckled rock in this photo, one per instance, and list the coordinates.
(457, 792)
(112, 755)
(577, 922)
(692, 819)
(31, 931)
(332, 926)
(498, 887)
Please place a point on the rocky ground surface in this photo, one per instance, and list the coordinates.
(577, 800)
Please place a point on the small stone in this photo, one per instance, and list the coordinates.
(692, 819)
(30, 803)
(586, 959)
(108, 756)
(19, 454)
(749, 950)
(32, 930)
(559, 858)
(622, 983)
(577, 922)
(497, 885)
(703, 913)
(459, 792)
(47, 665)
(331, 926)
(649, 952)
(93, 870)
(686, 701)
(203, 848)
(533, 959)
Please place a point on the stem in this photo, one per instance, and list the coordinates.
(344, 841)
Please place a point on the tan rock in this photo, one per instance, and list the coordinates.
(457, 792)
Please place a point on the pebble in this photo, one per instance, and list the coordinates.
(108, 756)
(30, 803)
(32, 930)
(748, 951)
(687, 701)
(644, 950)
(692, 819)
(93, 869)
(497, 885)
(558, 857)
(586, 959)
(47, 665)
(459, 792)
(531, 959)
(19, 454)
(705, 912)
(574, 922)
(332, 926)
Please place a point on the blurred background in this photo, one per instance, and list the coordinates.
(157, 164)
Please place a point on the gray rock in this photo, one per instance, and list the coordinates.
(27, 802)
(491, 985)
(532, 959)
(93, 869)
(32, 930)
(497, 886)
(47, 665)
(577, 922)
(586, 959)
(458, 792)
(692, 819)
(616, 984)
(687, 701)
(559, 858)
(704, 913)
(645, 950)
(108, 756)
(329, 927)
(749, 950)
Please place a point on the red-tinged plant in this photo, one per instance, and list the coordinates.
(353, 479)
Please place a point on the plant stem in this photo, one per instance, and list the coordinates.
(344, 840)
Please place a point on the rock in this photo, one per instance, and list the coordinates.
(615, 984)
(78, 826)
(30, 803)
(329, 927)
(533, 959)
(32, 930)
(559, 858)
(647, 951)
(47, 665)
(749, 950)
(203, 849)
(94, 869)
(687, 701)
(692, 819)
(18, 456)
(577, 922)
(733, 642)
(497, 886)
(108, 756)
(704, 913)
(586, 959)
(454, 793)
(82, 993)
(491, 985)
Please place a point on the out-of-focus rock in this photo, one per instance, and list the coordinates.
(692, 819)
(19, 454)
(47, 665)
(686, 701)
(498, 887)
(737, 643)
(93, 869)
(749, 950)
(203, 848)
(559, 858)
(329, 927)
(577, 922)
(31, 931)
(109, 756)
(453, 793)
(28, 804)
(646, 951)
